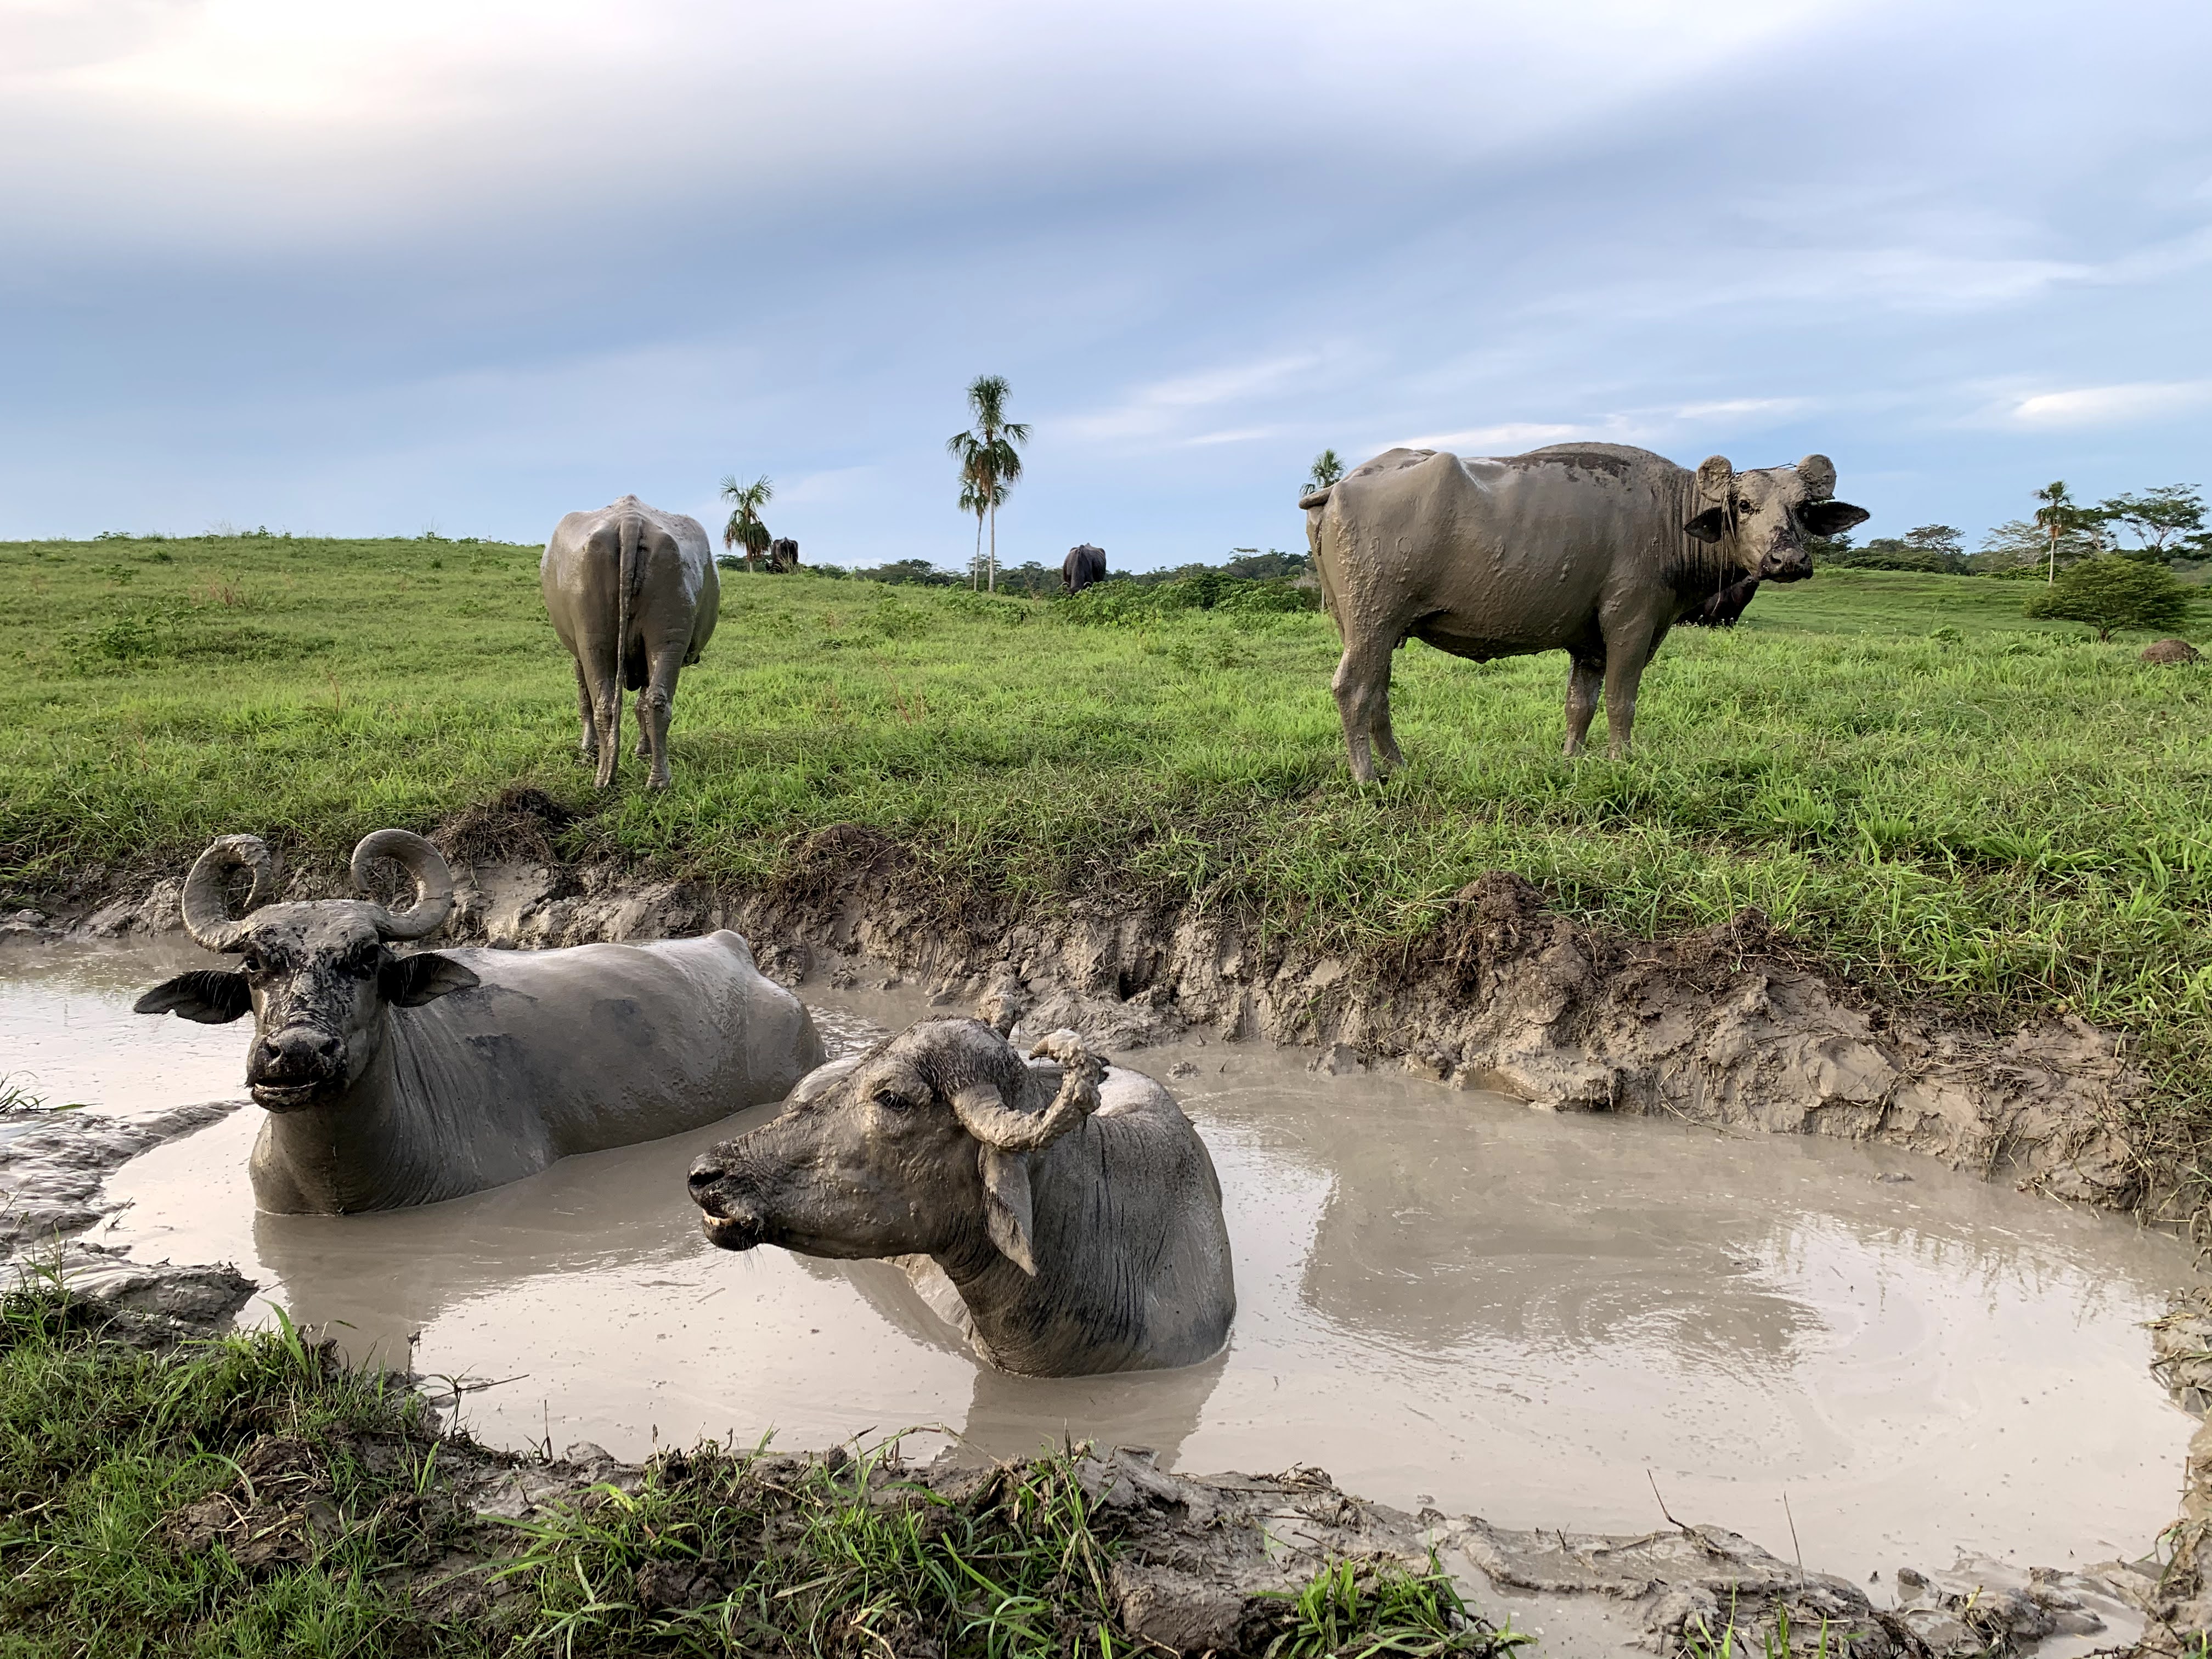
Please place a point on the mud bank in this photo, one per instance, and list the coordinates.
(1729, 1028)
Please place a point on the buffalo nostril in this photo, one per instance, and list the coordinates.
(704, 1175)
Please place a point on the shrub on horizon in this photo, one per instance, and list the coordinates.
(2113, 592)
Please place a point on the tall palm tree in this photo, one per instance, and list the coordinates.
(2055, 515)
(744, 528)
(1327, 470)
(975, 497)
(990, 465)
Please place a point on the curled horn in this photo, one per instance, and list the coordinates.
(206, 903)
(983, 1112)
(425, 867)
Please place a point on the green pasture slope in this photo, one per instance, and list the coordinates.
(1900, 770)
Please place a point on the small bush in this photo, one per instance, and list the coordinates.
(146, 634)
(1122, 603)
(2113, 592)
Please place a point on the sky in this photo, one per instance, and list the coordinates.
(465, 265)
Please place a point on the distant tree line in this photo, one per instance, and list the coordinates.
(2165, 526)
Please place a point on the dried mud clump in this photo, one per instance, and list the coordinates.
(2170, 651)
(519, 823)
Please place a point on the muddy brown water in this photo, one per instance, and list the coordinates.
(1444, 1297)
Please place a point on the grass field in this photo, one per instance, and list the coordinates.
(1901, 770)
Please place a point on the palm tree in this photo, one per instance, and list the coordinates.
(2057, 516)
(990, 465)
(744, 528)
(1327, 470)
(974, 498)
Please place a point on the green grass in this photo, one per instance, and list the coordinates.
(101, 1444)
(1364, 1609)
(1901, 770)
(109, 1454)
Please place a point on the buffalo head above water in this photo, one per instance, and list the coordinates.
(919, 1148)
(316, 976)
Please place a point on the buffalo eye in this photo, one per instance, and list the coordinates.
(891, 1100)
(253, 962)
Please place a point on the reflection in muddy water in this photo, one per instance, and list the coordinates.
(1443, 1297)
(67, 1033)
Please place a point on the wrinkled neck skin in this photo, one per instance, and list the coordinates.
(1067, 1321)
(1698, 569)
(379, 1145)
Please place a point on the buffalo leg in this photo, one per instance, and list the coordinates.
(1583, 680)
(1362, 694)
(591, 747)
(1386, 741)
(1624, 671)
(595, 666)
(655, 704)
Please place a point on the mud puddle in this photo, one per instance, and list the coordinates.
(1445, 1297)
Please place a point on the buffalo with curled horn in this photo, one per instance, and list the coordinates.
(392, 1079)
(1066, 1213)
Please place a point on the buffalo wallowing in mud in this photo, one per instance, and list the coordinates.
(392, 1080)
(1072, 1207)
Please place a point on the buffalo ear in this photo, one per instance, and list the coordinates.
(208, 995)
(410, 981)
(1709, 526)
(1007, 1206)
(1832, 518)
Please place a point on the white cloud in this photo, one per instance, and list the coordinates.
(1510, 438)
(1155, 411)
(2112, 405)
(833, 484)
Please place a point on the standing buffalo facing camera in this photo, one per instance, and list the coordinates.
(1596, 550)
(1071, 1206)
(391, 1081)
(633, 594)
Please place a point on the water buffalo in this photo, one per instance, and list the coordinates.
(1084, 565)
(633, 594)
(782, 556)
(1072, 1208)
(1596, 550)
(1724, 609)
(392, 1080)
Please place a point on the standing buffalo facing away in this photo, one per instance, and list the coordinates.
(1726, 608)
(782, 556)
(633, 594)
(1596, 550)
(1074, 1208)
(392, 1080)
(1082, 566)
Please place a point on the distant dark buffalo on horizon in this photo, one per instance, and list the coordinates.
(782, 556)
(1084, 565)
